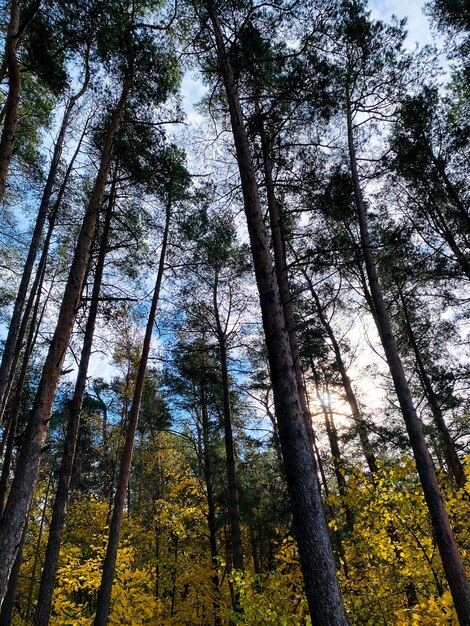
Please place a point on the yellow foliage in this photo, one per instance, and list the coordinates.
(390, 568)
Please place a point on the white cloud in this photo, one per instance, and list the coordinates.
(192, 90)
(417, 23)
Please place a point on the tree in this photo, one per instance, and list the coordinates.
(172, 189)
(310, 525)
(361, 41)
(14, 336)
(14, 516)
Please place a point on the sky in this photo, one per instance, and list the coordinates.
(417, 22)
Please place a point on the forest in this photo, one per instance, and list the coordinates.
(234, 313)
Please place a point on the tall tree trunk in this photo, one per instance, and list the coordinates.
(10, 115)
(13, 520)
(49, 571)
(8, 604)
(280, 263)
(26, 20)
(32, 305)
(16, 403)
(106, 458)
(233, 505)
(452, 563)
(109, 563)
(434, 213)
(316, 556)
(448, 445)
(11, 342)
(450, 189)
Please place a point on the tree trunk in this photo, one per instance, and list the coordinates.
(11, 525)
(65, 473)
(337, 458)
(452, 458)
(451, 190)
(36, 552)
(233, 505)
(8, 604)
(109, 563)
(211, 521)
(280, 263)
(12, 425)
(316, 556)
(452, 563)
(10, 116)
(445, 230)
(32, 305)
(106, 459)
(11, 342)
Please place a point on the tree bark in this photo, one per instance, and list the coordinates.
(109, 563)
(11, 525)
(16, 403)
(8, 604)
(32, 305)
(10, 118)
(51, 558)
(452, 563)
(337, 457)
(233, 504)
(280, 263)
(316, 556)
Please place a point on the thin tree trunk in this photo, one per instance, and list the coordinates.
(106, 459)
(65, 474)
(441, 225)
(450, 188)
(174, 574)
(10, 114)
(16, 403)
(233, 504)
(450, 452)
(29, 16)
(316, 556)
(338, 462)
(11, 525)
(350, 395)
(11, 342)
(254, 551)
(337, 534)
(452, 563)
(29, 605)
(337, 457)
(211, 521)
(109, 563)
(33, 301)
